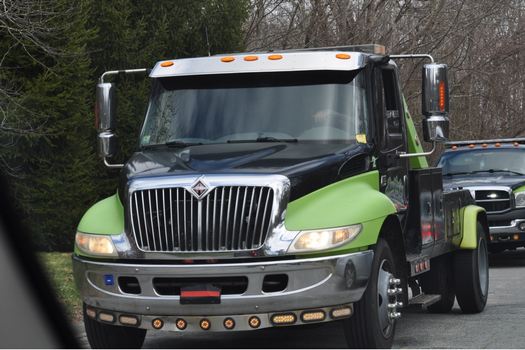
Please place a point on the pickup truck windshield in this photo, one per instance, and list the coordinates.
(504, 160)
(269, 107)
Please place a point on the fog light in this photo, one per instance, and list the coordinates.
(313, 316)
(91, 312)
(181, 324)
(106, 317)
(254, 322)
(128, 320)
(284, 318)
(341, 312)
(229, 323)
(205, 324)
(521, 226)
(157, 323)
(516, 237)
(491, 237)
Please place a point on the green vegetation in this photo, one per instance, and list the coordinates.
(47, 90)
(59, 269)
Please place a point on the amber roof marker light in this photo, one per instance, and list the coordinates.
(343, 56)
(251, 58)
(166, 64)
(228, 59)
(275, 57)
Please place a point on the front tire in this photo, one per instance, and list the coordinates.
(471, 273)
(106, 336)
(372, 326)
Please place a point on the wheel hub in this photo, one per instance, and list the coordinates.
(387, 303)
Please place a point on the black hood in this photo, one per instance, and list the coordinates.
(309, 166)
(483, 179)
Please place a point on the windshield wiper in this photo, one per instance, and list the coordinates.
(263, 139)
(483, 171)
(181, 144)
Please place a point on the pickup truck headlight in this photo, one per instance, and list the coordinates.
(95, 244)
(519, 199)
(324, 239)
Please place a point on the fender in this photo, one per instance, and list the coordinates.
(469, 227)
(105, 217)
(355, 200)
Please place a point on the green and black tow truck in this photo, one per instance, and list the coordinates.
(278, 188)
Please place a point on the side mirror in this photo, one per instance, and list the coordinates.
(106, 106)
(107, 144)
(435, 103)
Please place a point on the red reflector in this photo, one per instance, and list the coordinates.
(199, 293)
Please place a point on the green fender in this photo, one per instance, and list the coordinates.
(355, 200)
(469, 229)
(104, 218)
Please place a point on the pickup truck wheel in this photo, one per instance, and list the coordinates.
(106, 336)
(440, 280)
(471, 273)
(374, 320)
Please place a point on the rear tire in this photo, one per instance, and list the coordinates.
(106, 336)
(369, 326)
(471, 272)
(440, 280)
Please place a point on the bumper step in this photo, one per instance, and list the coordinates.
(424, 300)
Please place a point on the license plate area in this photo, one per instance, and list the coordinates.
(173, 286)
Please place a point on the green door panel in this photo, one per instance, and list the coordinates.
(355, 200)
(469, 229)
(105, 217)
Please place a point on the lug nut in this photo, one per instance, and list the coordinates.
(394, 315)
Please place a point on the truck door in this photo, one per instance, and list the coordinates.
(393, 170)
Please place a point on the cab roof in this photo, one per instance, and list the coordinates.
(346, 58)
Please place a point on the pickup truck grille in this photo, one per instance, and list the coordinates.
(228, 218)
(493, 200)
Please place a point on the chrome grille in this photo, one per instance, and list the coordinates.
(493, 200)
(228, 218)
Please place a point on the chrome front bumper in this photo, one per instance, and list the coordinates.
(312, 283)
(507, 230)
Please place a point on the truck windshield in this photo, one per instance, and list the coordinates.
(503, 160)
(269, 107)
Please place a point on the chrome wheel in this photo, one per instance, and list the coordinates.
(387, 304)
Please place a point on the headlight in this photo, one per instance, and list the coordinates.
(95, 244)
(324, 239)
(520, 199)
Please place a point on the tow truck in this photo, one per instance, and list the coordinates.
(272, 189)
(494, 173)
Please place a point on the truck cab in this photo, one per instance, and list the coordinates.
(273, 189)
(494, 172)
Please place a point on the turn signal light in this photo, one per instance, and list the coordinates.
(254, 322)
(516, 237)
(313, 316)
(341, 312)
(284, 319)
(205, 324)
(442, 96)
(157, 323)
(128, 320)
(103, 316)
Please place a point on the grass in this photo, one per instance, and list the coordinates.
(60, 272)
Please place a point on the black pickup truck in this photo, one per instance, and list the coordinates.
(494, 172)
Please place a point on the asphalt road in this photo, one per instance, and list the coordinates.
(501, 325)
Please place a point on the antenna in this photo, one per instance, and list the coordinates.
(207, 40)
